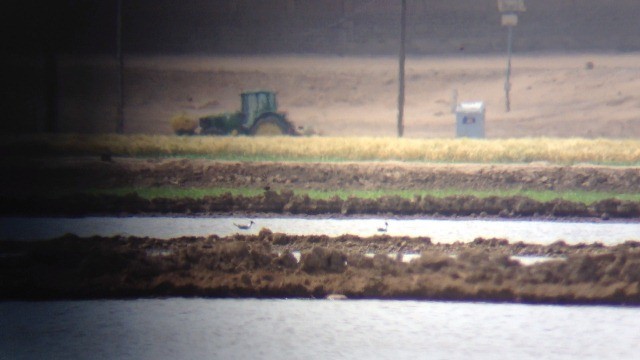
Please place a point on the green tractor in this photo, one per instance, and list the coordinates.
(259, 116)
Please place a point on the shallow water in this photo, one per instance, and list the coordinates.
(440, 231)
(313, 329)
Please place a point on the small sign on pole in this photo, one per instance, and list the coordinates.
(509, 19)
(509, 10)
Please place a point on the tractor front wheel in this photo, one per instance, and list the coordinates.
(271, 125)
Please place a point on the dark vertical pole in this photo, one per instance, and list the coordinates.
(120, 114)
(507, 82)
(403, 35)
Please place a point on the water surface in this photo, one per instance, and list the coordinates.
(313, 329)
(442, 231)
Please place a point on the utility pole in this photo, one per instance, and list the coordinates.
(509, 10)
(507, 81)
(403, 35)
(119, 57)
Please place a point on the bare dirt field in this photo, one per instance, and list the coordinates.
(556, 95)
(91, 172)
(264, 266)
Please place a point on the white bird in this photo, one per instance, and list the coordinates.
(244, 227)
(384, 229)
(336, 297)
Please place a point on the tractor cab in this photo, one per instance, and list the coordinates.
(257, 103)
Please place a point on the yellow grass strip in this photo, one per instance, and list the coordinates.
(553, 150)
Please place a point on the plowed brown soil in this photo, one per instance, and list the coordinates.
(263, 266)
(281, 180)
(91, 172)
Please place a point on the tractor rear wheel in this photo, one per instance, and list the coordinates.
(271, 125)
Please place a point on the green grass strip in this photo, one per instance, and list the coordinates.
(585, 197)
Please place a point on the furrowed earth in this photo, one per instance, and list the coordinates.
(279, 181)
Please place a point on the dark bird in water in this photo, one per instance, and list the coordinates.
(384, 229)
(243, 226)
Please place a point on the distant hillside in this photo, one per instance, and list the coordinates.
(372, 27)
(317, 26)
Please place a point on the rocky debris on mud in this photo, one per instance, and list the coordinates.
(264, 266)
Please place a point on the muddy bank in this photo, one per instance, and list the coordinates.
(286, 202)
(263, 266)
